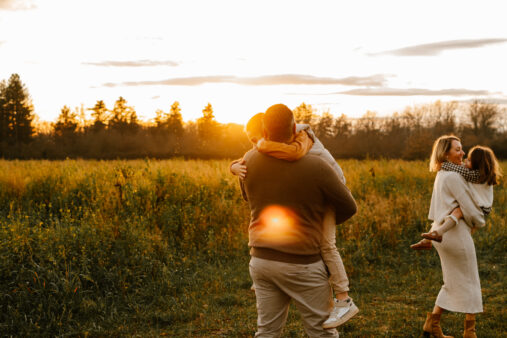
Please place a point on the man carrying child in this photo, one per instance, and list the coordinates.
(288, 201)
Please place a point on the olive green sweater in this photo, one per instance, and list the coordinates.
(301, 191)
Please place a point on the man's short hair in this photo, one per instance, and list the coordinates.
(279, 123)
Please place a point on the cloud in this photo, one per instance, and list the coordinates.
(268, 80)
(14, 5)
(412, 92)
(138, 63)
(498, 101)
(436, 48)
(296, 79)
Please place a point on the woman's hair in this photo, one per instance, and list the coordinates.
(253, 127)
(483, 159)
(440, 149)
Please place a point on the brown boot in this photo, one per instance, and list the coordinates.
(469, 329)
(423, 244)
(432, 326)
(433, 236)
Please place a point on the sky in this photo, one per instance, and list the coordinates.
(341, 57)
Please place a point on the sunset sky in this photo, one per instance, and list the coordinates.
(243, 56)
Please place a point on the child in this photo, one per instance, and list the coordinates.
(305, 142)
(482, 172)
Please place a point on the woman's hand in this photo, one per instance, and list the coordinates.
(457, 213)
(239, 169)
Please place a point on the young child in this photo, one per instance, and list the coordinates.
(305, 142)
(481, 171)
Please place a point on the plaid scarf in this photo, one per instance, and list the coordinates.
(469, 175)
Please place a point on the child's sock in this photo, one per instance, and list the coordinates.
(449, 222)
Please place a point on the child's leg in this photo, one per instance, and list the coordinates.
(449, 222)
(438, 230)
(331, 257)
(343, 306)
(435, 233)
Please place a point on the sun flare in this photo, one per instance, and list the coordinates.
(278, 222)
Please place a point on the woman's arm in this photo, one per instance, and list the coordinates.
(457, 213)
(470, 212)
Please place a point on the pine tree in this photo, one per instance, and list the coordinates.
(123, 117)
(175, 120)
(4, 117)
(17, 111)
(207, 127)
(99, 114)
(67, 123)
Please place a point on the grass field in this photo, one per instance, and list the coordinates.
(159, 248)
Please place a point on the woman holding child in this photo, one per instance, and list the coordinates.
(457, 211)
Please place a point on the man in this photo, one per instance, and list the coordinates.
(287, 202)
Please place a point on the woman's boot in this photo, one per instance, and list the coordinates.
(432, 327)
(469, 329)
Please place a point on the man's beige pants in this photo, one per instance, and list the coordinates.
(276, 283)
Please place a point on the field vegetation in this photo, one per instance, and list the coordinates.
(159, 248)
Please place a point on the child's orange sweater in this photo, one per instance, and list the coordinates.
(297, 148)
(292, 151)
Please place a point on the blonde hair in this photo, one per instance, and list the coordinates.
(484, 159)
(441, 147)
(253, 128)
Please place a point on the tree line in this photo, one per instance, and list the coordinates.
(117, 132)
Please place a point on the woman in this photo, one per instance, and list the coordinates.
(461, 291)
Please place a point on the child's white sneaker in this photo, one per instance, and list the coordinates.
(342, 311)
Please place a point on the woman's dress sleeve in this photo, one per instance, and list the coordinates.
(472, 213)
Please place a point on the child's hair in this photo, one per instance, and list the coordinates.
(483, 159)
(253, 127)
(441, 147)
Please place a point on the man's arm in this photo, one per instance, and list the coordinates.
(245, 158)
(243, 191)
(336, 194)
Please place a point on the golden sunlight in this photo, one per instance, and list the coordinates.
(278, 223)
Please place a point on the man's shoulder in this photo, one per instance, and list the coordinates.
(249, 154)
(310, 160)
(315, 162)
(313, 158)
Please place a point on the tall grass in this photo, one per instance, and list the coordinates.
(160, 248)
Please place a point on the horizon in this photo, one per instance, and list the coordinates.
(347, 58)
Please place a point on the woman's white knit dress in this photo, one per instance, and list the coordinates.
(461, 291)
